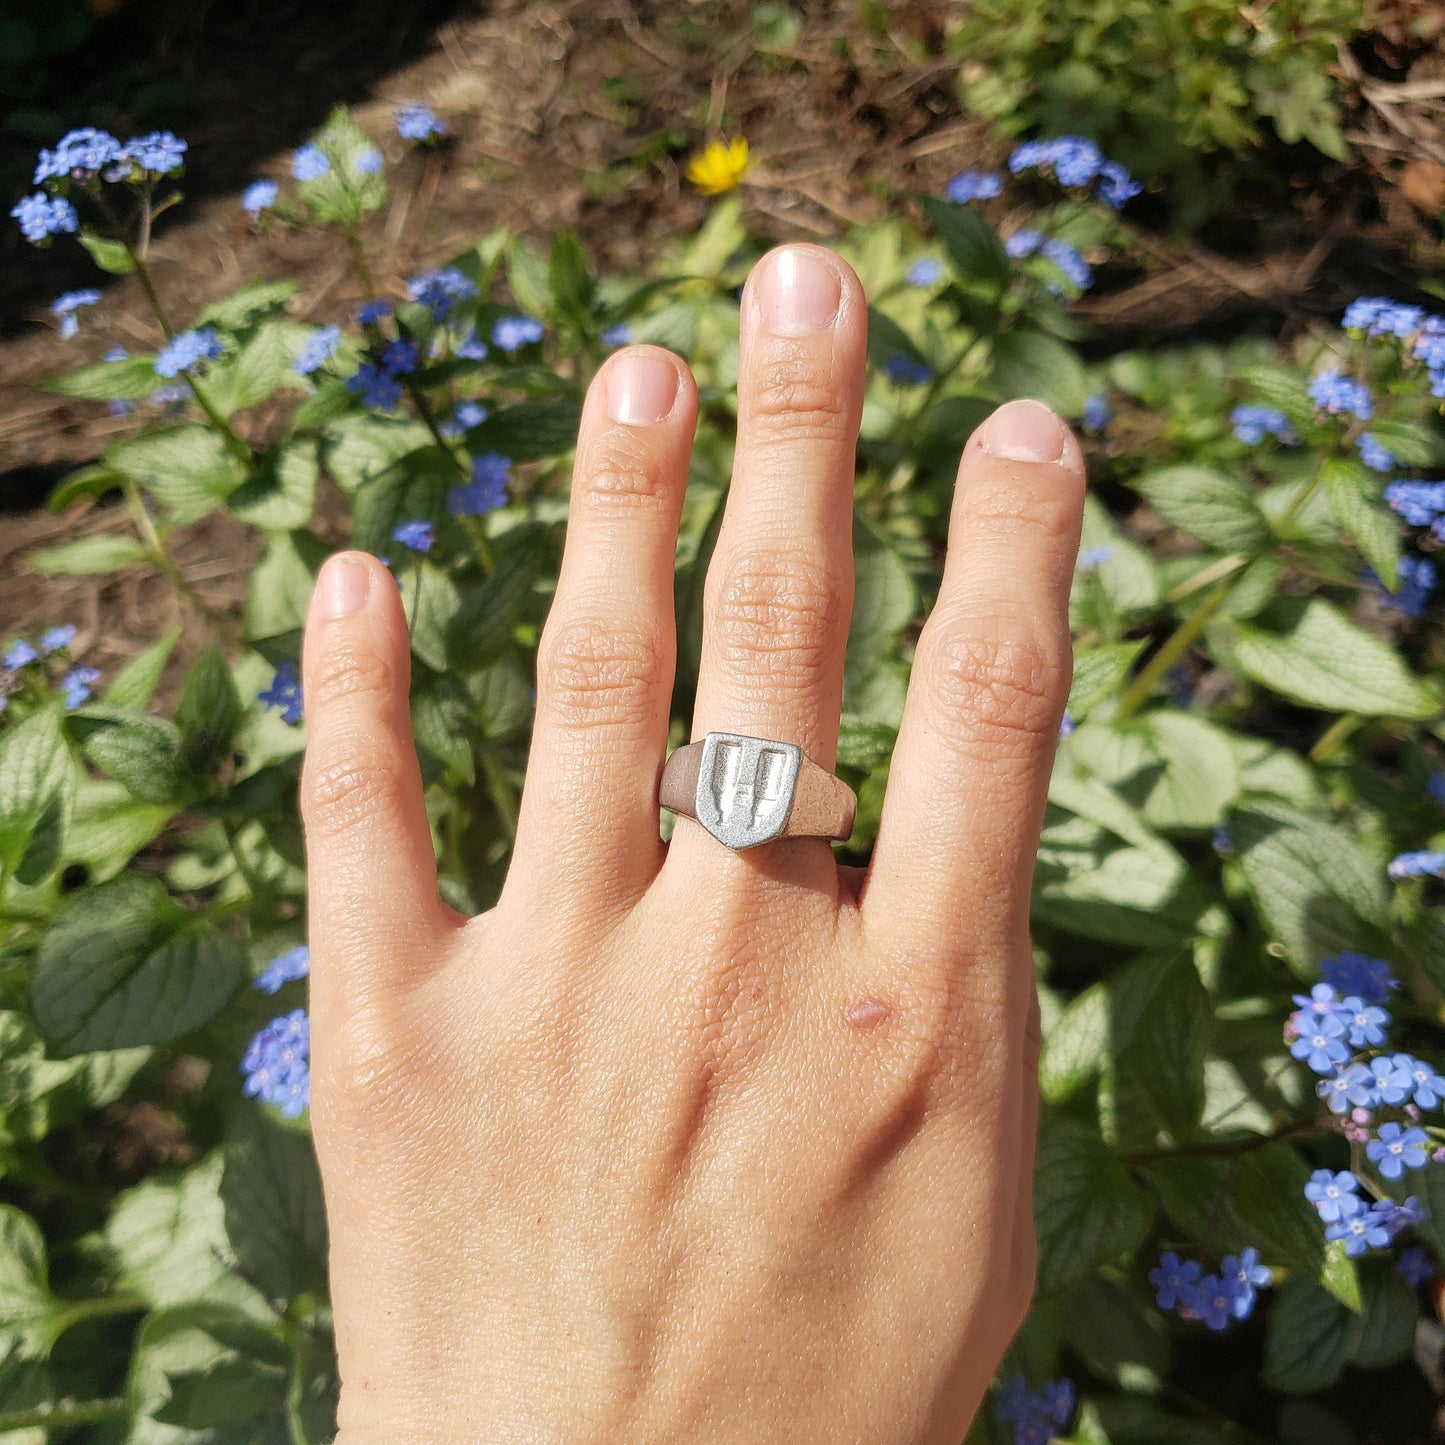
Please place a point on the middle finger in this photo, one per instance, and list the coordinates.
(780, 586)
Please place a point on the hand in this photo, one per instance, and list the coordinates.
(677, 1143)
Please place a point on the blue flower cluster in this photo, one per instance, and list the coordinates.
(1075, 161)
(1421, 504)
(320, 347)
(621, 334)
(375, 382)
(1374, 454)
(1066, 257)
(1428, 863)
(1097, 412)
(418, 122)
(1342, 1037)
(1423, 333)
(1252, 423)
(67, 305)
(418, 536)
(1037, 1416)
(287, 968)
(466, 415)
(487, 489)
(924, 272)
(186, 350)
(1349, 1219)
(259, 196)
(905, 371)
(284, 693)
(973, 186)
(75, 686)
(441, 291)
(310, 163)
(1212, 1299)
(512, 333)
(82, 158)
(1417, 579)
(1337, 394)
(277, 1063)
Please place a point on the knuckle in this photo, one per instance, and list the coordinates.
(349, 672)
(796, 400)
(998, 679)
(591, 674)
(1006, 505)
(783, 607)
(624, 472)
(343, 791)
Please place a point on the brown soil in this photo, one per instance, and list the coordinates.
(581, 113)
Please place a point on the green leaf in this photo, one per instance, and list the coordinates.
(28, 1310)
(887, 339)
(1416, 444)
(1282, 388)
(1032, 363)
(130, 379)
(1387, 1326)
(142, 752)
(487, 615)
(1355, 501)
(527, 278)
(1339, 1275)
(88, 556)
(414, 488)
(1116, 1335)
(344, 193)
(864, 745)
(1087, 1209)
(264, 363)
(280, 495)
(1099, 675)
(885, 601)
(1217, 509)
(275, 1219)
(569, 276)
(244, 308)
(124, 964)
(208, 712)
(529, 431)
(1313, 654)
(135, 684)
(443, 721)
(37, 787)
(431, 600)
(358, 449)
(1266, 1196)
(202, 1367)
(187, 469)
(1317, 892)
(1308, 1338)
(975, 253)
(111, 256)
(167, 1240)
(282, 584)
(1170, 1048)
(1076, 1048)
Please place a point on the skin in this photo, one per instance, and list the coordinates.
(677, 1143)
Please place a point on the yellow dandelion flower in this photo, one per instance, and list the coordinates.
(719, 166)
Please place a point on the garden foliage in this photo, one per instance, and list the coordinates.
(1239, 947)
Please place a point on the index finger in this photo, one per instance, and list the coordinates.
(966, 792)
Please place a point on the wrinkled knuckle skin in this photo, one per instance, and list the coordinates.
(781, 608)
(349, 789)
(347, 673)
(623, 473)
(590, 675)
(1007, 506)
(794, 401)
(1002, 683)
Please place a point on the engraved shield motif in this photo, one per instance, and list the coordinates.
(745, 788)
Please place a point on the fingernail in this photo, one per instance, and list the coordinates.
(798, 292)
(342, 587)
(1025, 431)
(641, 388)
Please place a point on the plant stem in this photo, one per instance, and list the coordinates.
(1226, 1148)
(1137, 693)
(358, 256)
(296, 1390)
(1333, 736)
(65, 1416)
(156, 546)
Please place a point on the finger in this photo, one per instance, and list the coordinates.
(970, 770)
(588, 826)
(780, 586)
(371, 871)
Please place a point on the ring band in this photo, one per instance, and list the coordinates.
(747, 791)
